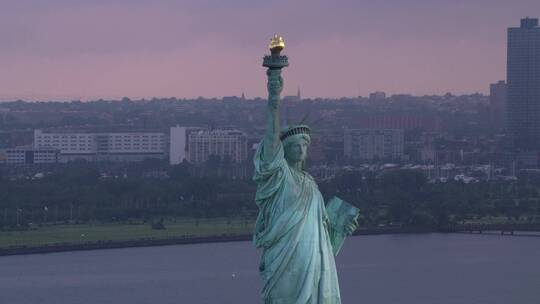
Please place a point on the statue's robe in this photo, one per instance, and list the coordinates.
(297, 265)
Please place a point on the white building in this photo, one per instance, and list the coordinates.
(110, 146)
(178, 145)
(370, 144)
(29, 156)
(231, 144)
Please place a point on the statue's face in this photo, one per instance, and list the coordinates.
(296, 150)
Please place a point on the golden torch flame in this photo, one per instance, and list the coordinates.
(277, 44)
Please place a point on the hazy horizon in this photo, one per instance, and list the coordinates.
(86, 50)
(149, 98)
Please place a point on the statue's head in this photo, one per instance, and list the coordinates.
(296, 140)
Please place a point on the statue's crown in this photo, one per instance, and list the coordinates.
(294, 130)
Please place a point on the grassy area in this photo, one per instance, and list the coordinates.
(499, 220)
(98, 232)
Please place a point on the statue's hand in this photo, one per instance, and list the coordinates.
(275, 86)
(351, 228)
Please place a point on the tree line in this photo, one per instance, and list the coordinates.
(80, 193)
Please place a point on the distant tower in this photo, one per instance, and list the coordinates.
(497, 105)
(377, 95)
(523, 78)
(298, 96)
(243, 97)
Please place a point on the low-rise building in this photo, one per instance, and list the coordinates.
(377, 95)
(103, 146)
(29, 156)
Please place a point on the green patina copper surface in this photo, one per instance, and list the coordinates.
(298, 235)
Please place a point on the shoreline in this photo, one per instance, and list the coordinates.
(110, 244)
(185, 240)
(115, 244)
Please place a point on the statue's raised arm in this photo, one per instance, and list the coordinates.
(297, 235)
(274, 62)
(271, 137)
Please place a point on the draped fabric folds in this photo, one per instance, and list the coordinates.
(297, 265)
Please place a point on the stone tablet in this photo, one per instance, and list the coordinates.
(342, 217)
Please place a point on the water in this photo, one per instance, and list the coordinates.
(401, 269)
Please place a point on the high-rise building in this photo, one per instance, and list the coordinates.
(523, 78)
(373, 144)
(497, 105)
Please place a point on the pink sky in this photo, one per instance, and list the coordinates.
(75, 49)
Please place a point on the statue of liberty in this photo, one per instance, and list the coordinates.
(298, 234)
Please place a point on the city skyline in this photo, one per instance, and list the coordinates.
(67, 50)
